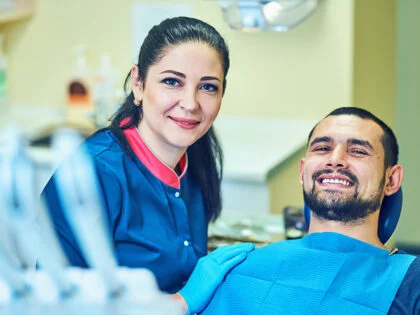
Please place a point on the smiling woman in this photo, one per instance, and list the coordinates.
(180, 98)
(159, 164)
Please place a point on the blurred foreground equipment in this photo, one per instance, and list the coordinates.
(26, 236)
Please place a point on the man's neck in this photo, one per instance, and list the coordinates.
(365, 231)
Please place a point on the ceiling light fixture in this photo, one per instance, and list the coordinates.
(280, 15)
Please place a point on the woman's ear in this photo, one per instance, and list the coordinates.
(394, 178)
(136, 85)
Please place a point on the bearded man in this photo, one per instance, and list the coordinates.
(351, 184)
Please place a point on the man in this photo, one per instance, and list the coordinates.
(342, 266)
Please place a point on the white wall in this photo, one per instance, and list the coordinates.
(299, 74)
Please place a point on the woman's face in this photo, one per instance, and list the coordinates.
(181, 97)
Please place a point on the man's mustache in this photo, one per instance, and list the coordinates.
(344, 172)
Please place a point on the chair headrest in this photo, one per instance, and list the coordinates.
(388, 217)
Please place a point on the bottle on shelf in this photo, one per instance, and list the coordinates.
(105, 91)
(80, 108)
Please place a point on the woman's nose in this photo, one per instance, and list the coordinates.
(189, 100)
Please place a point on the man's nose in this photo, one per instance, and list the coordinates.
(338, 158)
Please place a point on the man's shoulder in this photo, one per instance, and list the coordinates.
(412, 277)
(407, 299)
(273, 252)
(262, 263)
(414, 270)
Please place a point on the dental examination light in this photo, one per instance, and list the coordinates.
(280, 15)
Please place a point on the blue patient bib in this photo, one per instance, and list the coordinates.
(323, 273)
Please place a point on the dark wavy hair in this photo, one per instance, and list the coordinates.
(205, 156)
(389, 141)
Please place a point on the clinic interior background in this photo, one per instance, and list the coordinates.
(348, 53)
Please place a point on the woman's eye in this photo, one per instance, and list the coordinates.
(171, 81)
(210, 87)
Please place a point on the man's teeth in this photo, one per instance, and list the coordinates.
(336, 181)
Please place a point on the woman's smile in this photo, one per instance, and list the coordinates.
(185, 123)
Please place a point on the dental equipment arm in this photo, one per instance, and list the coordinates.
(82, 205)
(19, 203)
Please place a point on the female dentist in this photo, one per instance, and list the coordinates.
(159, 164)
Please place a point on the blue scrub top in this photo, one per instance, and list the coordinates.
(157, 219)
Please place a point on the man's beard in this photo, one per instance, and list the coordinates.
(337, 207)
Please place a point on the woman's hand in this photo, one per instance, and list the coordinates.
(209, 273)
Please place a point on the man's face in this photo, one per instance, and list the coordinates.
(343, 173)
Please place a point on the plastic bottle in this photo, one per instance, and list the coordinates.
(79, 94)
(105, 91)
(4, 96)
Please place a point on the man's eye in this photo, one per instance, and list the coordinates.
(322, 149)
(210, 87)
(358, 152)
(171, 81)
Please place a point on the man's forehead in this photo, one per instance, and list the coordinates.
(343, 127)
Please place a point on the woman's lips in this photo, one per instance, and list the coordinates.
(185, 123)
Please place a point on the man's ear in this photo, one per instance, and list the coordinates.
(394, 178)
(136, 84)
(301, 165)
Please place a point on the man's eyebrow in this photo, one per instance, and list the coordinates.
(360, 142)
(180, 74)
(320, 139)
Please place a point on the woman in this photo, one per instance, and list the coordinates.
(159, 163)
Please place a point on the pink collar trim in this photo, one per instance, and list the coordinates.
(152, 162)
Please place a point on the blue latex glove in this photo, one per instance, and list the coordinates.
(209, 273)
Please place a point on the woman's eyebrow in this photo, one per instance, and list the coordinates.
(210, 78)
(180, 74)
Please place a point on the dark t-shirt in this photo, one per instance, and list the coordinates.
(407, 299)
